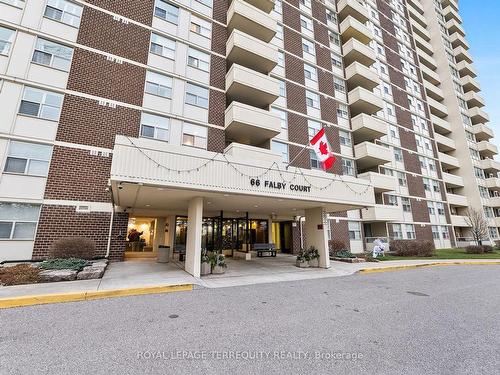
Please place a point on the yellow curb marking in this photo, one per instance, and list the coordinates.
(438, 264)
(6, 303)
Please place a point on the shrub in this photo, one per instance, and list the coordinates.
(487, 248)
(72, 247)
(74, 264)
(344, 254)
(411, 248)
(474, 249)
(335, 246)
(19, 274)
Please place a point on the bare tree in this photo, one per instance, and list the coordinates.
(479, 226)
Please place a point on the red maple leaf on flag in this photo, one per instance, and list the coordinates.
(323, 148)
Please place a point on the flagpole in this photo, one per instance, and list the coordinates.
(296, 156)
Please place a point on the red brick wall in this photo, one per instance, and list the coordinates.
(140, 11)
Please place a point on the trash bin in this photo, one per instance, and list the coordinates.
(163, 254)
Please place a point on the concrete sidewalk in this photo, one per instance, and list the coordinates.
(147, 274)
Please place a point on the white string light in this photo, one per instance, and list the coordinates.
(260, 175)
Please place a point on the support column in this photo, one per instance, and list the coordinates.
(270, 238)
(316, 235)
(159, 233)
(193, 243)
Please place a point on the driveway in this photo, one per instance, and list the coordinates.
(432, 321)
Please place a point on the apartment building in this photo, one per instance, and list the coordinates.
(190, 120)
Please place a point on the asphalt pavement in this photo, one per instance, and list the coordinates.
(424, 321)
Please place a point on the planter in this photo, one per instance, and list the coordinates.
(314, 263)
(218, 270)
(206, 269)
(348, 260)
(303, 264)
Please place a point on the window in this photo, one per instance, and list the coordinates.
(336, 61)
(398, 154)
(430, 208)
(18, 221)
(396, 231)
(406, 204)
(313, 127)
(64, 11)
(6, 40)
(402, 179)
(312, 99)
(198, 59)
(200, 27)
(166, 11)
(196, 95)
(315, 163)
(308, 46)
(279, 32)
(162, 46)
(28, 158)
(440, 208)
(16, 3)
(348, 167)
(306, 23)
(194, 135)
(281, 59)
(283, 118)
(158, 84)
(343, 111)
(345, 138)
(445, 233)
(392, 200)
(435, 232)
(310, 72)
(52, 54)
(41, 103)
(410, 231)
(354, 230)
(207, 3)
(280, 148)
(339, 84)
(153, 126)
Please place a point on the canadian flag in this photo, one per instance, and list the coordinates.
(321, 147)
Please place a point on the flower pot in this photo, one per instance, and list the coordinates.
(314, 263)
(303, 264)
(218, 270)
(206, 269)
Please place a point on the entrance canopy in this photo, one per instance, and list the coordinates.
(151, 175)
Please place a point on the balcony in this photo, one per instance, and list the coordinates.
(470, 84)
(251, 20)
(250, 87)
(490, 166)
(423, 45)
(430, 75)
(494, 202)
(358, 75)
(382, 213)
(461, 54)
(433, 91)
(445, 144)
(367, 128)
(369, 155)
(452, 3)
(426, 59)
(487, 149)
(473, 99)
(493, 183)
(437, 109)
(448, 162)
(250, 125)
(381, 182)
(453, 181)
(419, 18)
(458, 40)
(364, 101)
(482, 132)
(478, 116)
(450, 13)
(417, 5)
(354, 50)
(440, 126)
(420, 30)
(352, 28)
(457, 200)
(466, 69)
(251, 52)
(454, 27)
(354, 9)
(459, 221)
(264, 5)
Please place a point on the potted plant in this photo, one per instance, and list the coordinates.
(302, 259)
(218, 264)
(313, 257)
(206, 266)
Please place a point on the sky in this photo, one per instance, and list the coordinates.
(482, 28)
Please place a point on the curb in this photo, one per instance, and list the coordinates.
(7, 303)
(424, 265)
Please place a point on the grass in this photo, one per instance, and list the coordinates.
(448, 254)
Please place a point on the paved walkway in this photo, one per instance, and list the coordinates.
(148, 273)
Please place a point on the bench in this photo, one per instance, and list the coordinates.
(262, 248)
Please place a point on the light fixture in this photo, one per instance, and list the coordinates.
(209, 202)
(160, 189)
(256, 205)
(148, 205)
(226, 195)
